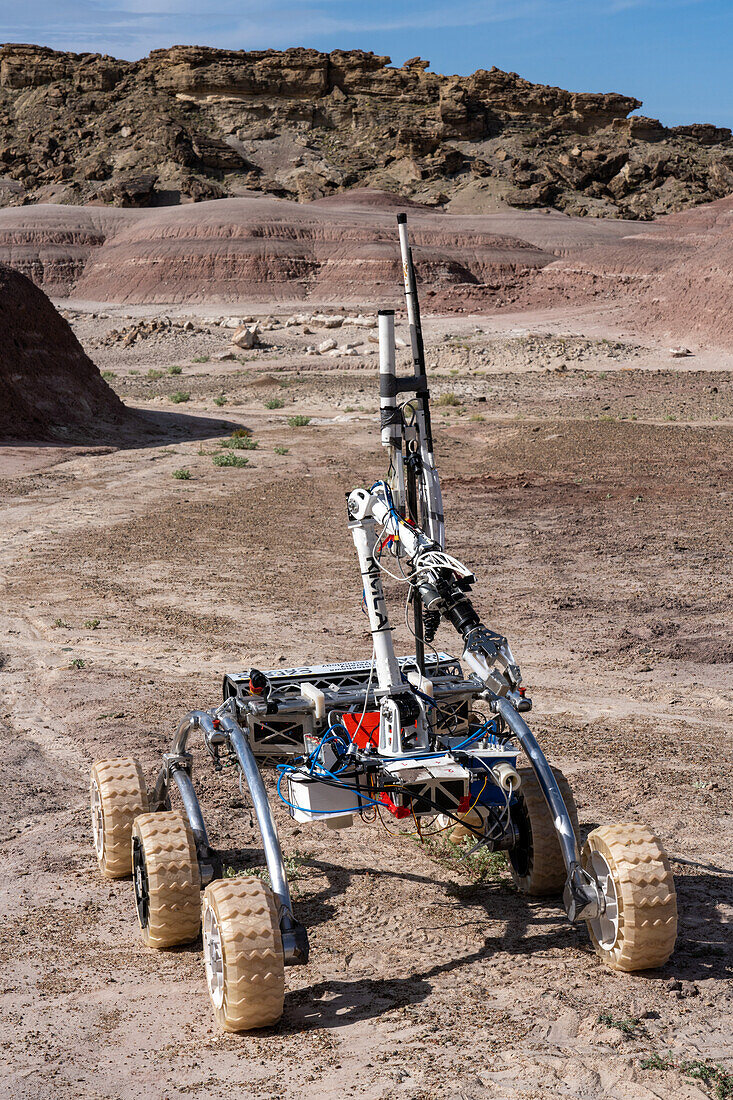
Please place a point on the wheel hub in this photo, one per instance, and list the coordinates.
(213, 957)
(140, 881)
(97, 820)
(521, 854)
(605, 925)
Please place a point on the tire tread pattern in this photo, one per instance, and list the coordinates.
(174, 882)
(547, 873)
(122, 790)
(645, 890)
(254, 967)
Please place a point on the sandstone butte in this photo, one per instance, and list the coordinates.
(191, 123)
(51, 389)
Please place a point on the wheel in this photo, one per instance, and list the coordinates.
(117, 795)
(459, 832)
(536, 861)
(166, 878)
(243, 954)
(639, 927)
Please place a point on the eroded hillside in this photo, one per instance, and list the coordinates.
(192, 123)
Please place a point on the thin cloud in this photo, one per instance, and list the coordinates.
(134, 27)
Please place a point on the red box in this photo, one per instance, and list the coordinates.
(363, 731)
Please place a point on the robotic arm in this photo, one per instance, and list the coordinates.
(406, 513)
(442, 584)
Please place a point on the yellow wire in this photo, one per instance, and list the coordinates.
(473, 807)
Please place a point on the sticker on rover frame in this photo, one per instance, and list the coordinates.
(341, 666)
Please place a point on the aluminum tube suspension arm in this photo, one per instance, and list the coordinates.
(265, 820)
(581, 896)
(191, 805)
(294, 936)
(196, 719)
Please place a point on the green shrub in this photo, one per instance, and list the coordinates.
(280, 450)
(220, 400)
(183, 474)
(201, 359)
(154, 374)
(298, 421)
(179, 396)
(240, 443)
(107, 374)
(448, 399)
(92, 624)
(229, 459)
(274, 403)
(175, 370)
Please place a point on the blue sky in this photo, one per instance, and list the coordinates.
(675, 55)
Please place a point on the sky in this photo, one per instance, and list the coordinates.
(675, 55)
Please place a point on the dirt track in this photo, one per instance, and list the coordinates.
(592, 495)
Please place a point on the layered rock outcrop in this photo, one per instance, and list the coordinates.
(257, 248)
(192, 123)
(50, 389)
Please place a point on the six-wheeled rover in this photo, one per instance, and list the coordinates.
(428, 737)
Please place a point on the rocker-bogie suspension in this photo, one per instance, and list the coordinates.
(427, 737)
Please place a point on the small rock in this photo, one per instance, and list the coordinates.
(222, 356)
(327, 345)
(188, 326)
(679, 353)
(674, 984)
(246, 337)
(399, 342)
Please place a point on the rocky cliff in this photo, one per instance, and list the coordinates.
(50, 388)
(193, 123)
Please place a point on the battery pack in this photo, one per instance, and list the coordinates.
(314, 800)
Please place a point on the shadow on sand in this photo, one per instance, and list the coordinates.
(142, 428)
(703, 947)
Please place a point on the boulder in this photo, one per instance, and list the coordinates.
(246, 336)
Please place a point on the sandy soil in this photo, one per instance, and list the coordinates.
(586, 477)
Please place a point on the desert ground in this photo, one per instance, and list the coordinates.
(587, 479)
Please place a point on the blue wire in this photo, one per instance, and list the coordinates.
(354, 809)
(475, 737)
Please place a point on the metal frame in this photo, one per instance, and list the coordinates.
(290, 708)
(220, 728)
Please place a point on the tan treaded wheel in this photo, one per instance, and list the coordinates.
(536, 864)
(167, 880)
(460, 832)
(117, 795)
(243, 954)
(639, 927)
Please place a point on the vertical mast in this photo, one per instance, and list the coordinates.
(390, 414)
(432, 519)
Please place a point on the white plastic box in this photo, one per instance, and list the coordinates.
(314, 801)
